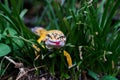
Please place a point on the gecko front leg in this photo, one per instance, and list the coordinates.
(68, 57)
(42, 33)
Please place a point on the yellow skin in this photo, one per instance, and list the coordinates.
(53, 39)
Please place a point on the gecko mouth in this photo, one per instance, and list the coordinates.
(54, 44)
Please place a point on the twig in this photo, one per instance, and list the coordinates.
(28, 71)
(10, 60)
(80, 51)
(43, 74)
(17, 65)
(22, 71)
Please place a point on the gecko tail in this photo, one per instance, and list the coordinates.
(38, 30)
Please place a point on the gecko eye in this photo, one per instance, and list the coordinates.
(48, 35)
(62, 37)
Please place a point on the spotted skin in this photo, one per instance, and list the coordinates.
(53, 39)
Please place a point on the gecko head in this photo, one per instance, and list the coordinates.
(55, 39)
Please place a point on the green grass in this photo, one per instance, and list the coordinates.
(88, 26)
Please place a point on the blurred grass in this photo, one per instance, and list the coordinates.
(92, 40)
